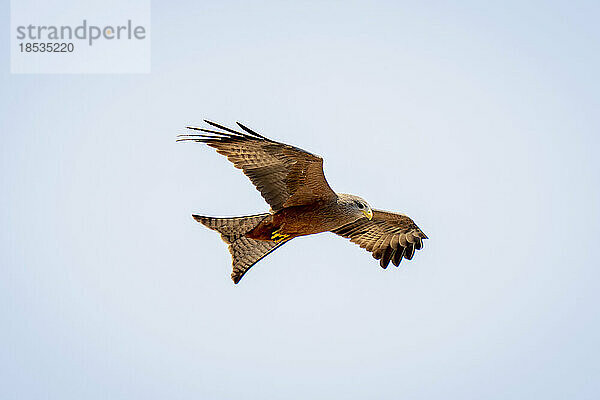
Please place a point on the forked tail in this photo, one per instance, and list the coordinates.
(245, 252)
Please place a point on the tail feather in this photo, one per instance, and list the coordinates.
(245, 252)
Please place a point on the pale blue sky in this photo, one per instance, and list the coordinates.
(478, 120)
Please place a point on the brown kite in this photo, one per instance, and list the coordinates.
(302, 203)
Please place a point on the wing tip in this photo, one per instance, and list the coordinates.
(227, 132)
(250, 131)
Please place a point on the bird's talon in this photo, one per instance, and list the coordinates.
(278, 237)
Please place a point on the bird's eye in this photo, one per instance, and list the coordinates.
(360, 206)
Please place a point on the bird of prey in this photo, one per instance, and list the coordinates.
(292, 182)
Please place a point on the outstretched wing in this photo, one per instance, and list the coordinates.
(285, 175)
(389, 236)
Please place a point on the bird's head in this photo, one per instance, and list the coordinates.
(356, 206)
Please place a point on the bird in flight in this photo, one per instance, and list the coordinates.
(292, 182)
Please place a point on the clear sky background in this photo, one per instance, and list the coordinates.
(478, 120)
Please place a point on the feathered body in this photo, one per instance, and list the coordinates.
(302, 203)
(305, 220)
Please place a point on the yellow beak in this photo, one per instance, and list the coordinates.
(368, 213)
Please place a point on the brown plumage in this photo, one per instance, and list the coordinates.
(292, 182)
(389, 236)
